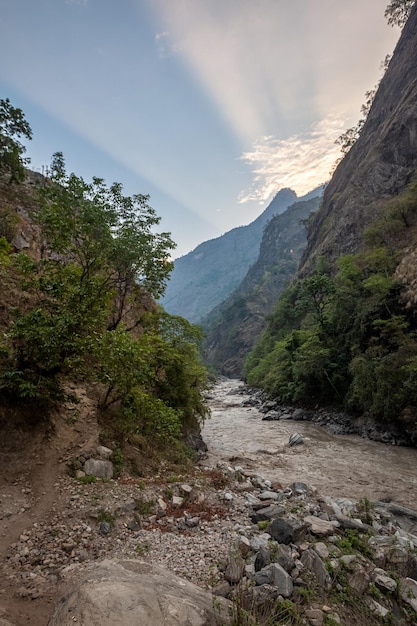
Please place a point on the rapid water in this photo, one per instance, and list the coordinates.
(337, 465)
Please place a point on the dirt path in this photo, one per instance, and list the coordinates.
(31, 464)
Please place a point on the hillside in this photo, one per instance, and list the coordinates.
(207, 275)
(345, 333)
(234, 325)
(81, 268)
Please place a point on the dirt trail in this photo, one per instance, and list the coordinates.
(30, 466)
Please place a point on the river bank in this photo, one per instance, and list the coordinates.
(217, 527)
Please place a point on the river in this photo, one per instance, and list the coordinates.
(337, 465)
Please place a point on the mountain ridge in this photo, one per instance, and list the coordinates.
(208, 274)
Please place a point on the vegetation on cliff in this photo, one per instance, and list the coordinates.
(349, 337)
(345, 332)
(79, 304)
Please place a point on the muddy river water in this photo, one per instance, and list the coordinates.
(337, 465)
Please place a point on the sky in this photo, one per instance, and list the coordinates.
(208, 106)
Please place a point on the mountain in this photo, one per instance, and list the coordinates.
(207, 275)
(378, 166)
(235, 324)
(344, 333)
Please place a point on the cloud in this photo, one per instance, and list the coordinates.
(163, 44)
(301, 162)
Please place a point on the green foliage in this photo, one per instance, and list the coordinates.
(5, 250)
(346, 339)
(86, 309)
(13, 126)
(353, 542)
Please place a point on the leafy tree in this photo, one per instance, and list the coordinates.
(398, 11)
(87, 309)
(13, 126)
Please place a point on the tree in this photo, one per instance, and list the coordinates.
(398, 11)
(13, 126)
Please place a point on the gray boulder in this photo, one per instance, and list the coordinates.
(287, 530)
(129, 593)
(99, 468)
(275, 575)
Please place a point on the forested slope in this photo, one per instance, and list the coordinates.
(345, 332)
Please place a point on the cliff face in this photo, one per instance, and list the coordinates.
(234, 326)
(378, 166)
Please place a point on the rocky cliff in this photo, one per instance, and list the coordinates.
(380, 164)
(235, 324)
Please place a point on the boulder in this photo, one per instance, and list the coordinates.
(314, 564)
(99, 468)
(275, 575)
(287, 530)
(319, 527)
(133, 592)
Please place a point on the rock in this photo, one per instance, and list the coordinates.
(359, 580)
(104, 452)
(397, 554)
(299, 489)
(269, 495)
(383, 581)
(348, 559)
(134, 592)
(408, 592)
(287, 531)
(295, 440)
(319, 527)
(263, 557)
(275, 575)
(267, 513)
(222, 589)
(244, 546)
(104, 528)
(321, 549)
(98, 468)
(235, 567)
(314, 616)
(314, 564)
(353, 524)
(177, 501)
(284, 557)
(376, 608)
(192, 522)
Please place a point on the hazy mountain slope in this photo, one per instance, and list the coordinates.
(379, 165)
(235, 324)
(208, 274)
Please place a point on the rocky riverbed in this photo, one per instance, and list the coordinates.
(261, 536)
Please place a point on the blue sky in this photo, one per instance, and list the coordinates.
(209, 106)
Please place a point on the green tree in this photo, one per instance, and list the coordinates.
(398, 11)
(13, 126)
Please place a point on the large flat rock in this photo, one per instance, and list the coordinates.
(132, 593)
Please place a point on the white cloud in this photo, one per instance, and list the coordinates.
(163, 44)
(301, 162)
